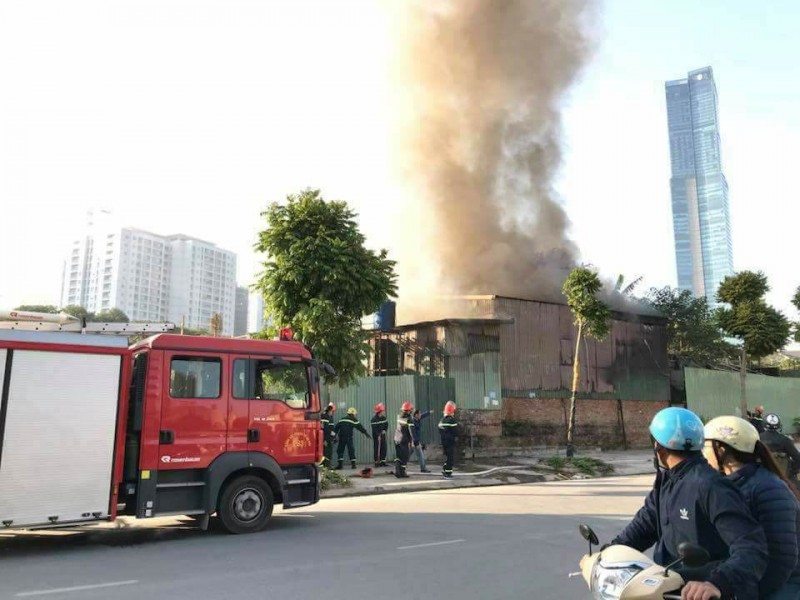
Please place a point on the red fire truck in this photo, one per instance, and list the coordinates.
(91, 429)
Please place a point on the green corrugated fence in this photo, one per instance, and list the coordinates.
(425, 393)
(714, 393)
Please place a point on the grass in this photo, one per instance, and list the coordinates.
(581, 464)
(331, 478)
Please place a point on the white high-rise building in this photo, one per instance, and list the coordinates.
(150, 277)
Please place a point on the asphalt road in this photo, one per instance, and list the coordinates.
(489, 543)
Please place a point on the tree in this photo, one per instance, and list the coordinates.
(78, 311)
(216, 325)
(39, 308)
(760, 328)
(627, 290)
(320, 279)
(693, 336)
(113, 315)
(796, 302)
(591, 318)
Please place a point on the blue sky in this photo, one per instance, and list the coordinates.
(616, 170)
(191, 116)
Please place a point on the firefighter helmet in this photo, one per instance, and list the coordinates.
(450, 408)
(352, 411)
(331, 407)
(407, 406)
(759, 410)
(379, 407)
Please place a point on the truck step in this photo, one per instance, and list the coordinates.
(181, 484)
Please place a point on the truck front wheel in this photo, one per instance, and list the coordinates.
(245, 505)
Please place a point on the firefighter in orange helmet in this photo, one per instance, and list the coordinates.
(448, 432)
(403, 438)
(380, 424)
(328, 432)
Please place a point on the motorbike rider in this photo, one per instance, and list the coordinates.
(733, 446)
(780, 444)
(692, 502)
(756, 418)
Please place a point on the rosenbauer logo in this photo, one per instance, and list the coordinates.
(184, 459)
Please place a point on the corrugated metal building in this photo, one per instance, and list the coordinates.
(515, 356)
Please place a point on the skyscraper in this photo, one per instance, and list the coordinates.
(150, 277)
(700, 213)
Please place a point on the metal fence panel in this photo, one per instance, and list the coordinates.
(714, 393)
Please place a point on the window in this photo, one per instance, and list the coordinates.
(240, 378)
(194, 377)
(287, 384)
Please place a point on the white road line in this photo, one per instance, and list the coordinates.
(431, 544)
(77, 588)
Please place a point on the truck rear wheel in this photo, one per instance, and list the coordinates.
(245, 505)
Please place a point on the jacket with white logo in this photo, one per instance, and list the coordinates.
(694, 503)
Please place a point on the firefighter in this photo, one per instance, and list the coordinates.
(344, 431)
(448, 431)
(756, 419)
(403, 438)
(380, 425)
(328, 433)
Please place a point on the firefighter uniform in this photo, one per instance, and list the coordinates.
(380, 425)
(344, 431)
(328, 435)
(403, 438)
(448, 432)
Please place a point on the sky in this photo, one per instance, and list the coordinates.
(191, 116)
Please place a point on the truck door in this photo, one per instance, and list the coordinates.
(194, 410)
(281, 411)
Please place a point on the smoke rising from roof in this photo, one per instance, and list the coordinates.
(480, 85)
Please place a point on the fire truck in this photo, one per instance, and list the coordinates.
(92, 428)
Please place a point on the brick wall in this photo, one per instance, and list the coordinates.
(541, 422)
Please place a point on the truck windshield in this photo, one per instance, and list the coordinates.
(288, 384)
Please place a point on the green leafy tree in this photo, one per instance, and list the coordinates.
(796, 302)
(320, 279)
(760, 328)
(693, 336)
(626, 288)
(113, 315)
(39, 308)
(591, 319)
(78, 311)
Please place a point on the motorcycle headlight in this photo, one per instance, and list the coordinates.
(608, 581)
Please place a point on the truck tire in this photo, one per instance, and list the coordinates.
(245, 505)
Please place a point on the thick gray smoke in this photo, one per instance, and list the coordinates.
(482, 83)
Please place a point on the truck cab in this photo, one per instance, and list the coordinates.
(217, 425)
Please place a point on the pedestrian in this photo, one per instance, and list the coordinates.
(380, 425)
(734, 448)
(692, 502)
(344, 431)
(403, 439)
(756, 418)
(419, 446)
(328, 434)
(781, 446)
(448, 432)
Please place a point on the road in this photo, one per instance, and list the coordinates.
(501, 542)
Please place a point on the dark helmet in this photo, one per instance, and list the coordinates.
(772, 422)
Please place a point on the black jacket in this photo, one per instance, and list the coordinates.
(694, 503)
(758, 423)
(417, 431)
(380, 424)
(778, 511)
(448, 430)
(344, 428)
(777, 442)
(327, 424)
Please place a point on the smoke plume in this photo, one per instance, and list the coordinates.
(480, 85)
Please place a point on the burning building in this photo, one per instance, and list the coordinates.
(511, 362)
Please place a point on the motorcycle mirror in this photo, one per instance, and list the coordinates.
(693, 556)
(589, 535)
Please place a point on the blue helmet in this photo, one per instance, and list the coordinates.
(677, 429)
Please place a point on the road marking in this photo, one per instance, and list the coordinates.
(431, 544)
(77, 588)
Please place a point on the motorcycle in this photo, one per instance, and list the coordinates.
(622, 573)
